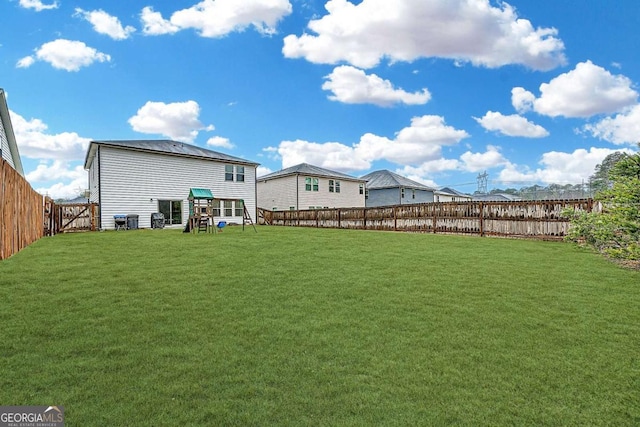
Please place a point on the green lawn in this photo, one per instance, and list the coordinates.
(293, 326)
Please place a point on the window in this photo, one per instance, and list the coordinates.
(361, 188)
(337, 186)
(240, 173)
(402, 193)
(228, 172)
(413, 195)
(366, 194)
(216, 207)
(228, 208)
(331, 186)
(292, 208)
(239, 210)
(172, 211)
(311, 184)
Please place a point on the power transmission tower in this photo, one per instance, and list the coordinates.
(482, 182)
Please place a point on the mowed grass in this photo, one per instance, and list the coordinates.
(292, 326)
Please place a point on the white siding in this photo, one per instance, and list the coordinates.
(279, 193)
(287, 191)
(132, 182)
(348, 196)
(4, 144)
(441, 197)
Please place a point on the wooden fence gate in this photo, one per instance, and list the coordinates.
(64, 218)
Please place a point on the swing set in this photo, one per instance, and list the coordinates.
(203, 208)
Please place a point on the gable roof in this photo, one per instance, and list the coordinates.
(309, 170)
(165, 146)
(8, 130)
(453, 192)
(387, 179)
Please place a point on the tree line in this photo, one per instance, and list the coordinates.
(615, 229)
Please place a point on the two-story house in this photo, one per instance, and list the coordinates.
(305, 186)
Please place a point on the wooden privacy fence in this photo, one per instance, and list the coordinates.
(531, 219)
(21, 212)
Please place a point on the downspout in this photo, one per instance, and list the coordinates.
(297, 192)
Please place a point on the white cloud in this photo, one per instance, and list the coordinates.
(217, 18)
(430, 167)
(66, 55)
(352, 86)
(35, 143)
(62, 190)
(154, 24)
(475, 162)
(104, 23)
(261, 171)
(218, 141)
(623, 128)
(558, 167)
(404, 30)
(58, 151)
(330, 155)
(468, 162)
(512, 125)
(37, 5)
(522, 100)
(584, 91)
(413, 145)
(178, 120)
(56, 170)
(26, 62)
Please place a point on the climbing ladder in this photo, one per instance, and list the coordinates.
(203, 224)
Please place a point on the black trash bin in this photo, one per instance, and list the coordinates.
(132, 222)
(157, 220)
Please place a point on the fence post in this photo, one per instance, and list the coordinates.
(364, 218)
(435, 217)
(395, 218)
(481, 213)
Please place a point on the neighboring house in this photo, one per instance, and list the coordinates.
(306, 186)
(497, 197)
(385, 188)
(448, 194)
(149, 176)
(8, 145)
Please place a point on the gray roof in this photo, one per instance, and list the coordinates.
(310, 170)
(453, 192)
(8, 130)
(387, 179)
(174, 148)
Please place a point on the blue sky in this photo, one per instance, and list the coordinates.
(436, 90)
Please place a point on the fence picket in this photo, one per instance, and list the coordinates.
(531, 219)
